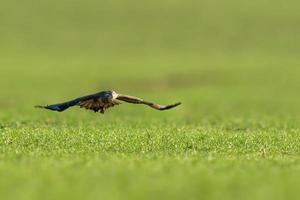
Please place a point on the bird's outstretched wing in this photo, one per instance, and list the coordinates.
(136, 100)
(89, 102)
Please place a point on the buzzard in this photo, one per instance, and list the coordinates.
(101, 101)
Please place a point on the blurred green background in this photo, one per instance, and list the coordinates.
(61, 47)
(233, 64)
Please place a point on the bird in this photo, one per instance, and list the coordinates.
(101, 101)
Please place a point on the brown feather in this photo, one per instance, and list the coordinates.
(97, 105)
(136, 100)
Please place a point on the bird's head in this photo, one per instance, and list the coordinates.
(114, 94)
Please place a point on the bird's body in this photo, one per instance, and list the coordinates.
(101, 101)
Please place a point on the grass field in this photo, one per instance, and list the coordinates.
(233, 64)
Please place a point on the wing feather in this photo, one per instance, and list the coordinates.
(136, 100)
(90, 104)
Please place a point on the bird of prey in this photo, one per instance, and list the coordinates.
(101, 101)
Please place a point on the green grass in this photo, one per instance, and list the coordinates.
(129, 159)
(233, 64)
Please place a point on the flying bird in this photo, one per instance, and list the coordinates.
(101, 101)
